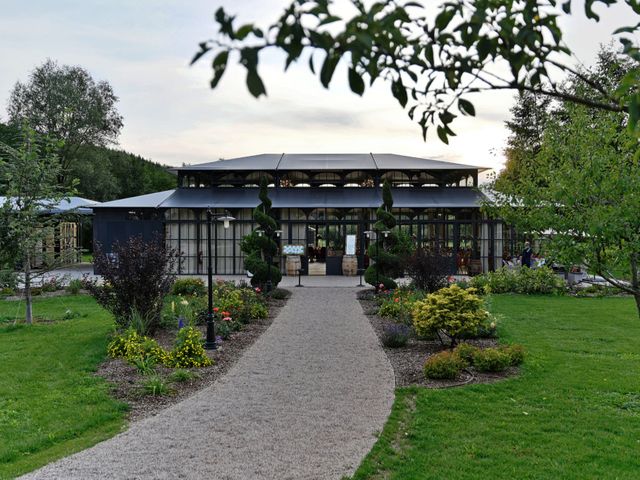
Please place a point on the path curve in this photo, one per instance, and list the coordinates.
(304, 402)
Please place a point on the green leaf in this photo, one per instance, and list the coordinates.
(329, 19)
(443, 135)
(243, 31)
(204, 48)
(328, 67)
(466, 107)
(355, 82)
(219, 66)
(312, 67)
(399, 92)
(254, 83)
(444, 18)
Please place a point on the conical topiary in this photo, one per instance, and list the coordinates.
(387, 265)
(258, 247)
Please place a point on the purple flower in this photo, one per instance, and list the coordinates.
(218, 339)
(180, 323)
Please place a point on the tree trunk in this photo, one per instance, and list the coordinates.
(635, 280)
(27, 291)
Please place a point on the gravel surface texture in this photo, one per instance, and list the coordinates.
(304, 402)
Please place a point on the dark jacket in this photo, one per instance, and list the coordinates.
(526, 257)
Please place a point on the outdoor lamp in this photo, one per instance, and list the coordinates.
(210, 343)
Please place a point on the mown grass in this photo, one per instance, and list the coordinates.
(573, 413)
(51, 404)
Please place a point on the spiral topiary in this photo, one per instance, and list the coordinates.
(259, 248)
(387, 265)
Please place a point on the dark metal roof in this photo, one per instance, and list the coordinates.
(330, 162)
(303, 198)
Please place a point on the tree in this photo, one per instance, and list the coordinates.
(387, 264)
(28, 178)
(432, 62)
(66, 103)
(583, 197)
(259, 246)
(528, 120)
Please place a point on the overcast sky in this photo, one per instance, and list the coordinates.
(143, 48)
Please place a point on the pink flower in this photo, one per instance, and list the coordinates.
(258, 290)
(381, 286)
(226, 319)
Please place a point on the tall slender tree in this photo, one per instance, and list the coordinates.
(28, 177)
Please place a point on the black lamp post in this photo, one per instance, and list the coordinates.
(210, 343)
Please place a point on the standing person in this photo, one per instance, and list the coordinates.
(526, 255)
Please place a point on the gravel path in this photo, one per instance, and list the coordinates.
(304, 402)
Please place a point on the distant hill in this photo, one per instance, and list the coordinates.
(107, 174)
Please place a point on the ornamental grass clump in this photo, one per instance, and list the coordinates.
(445, 365)
(453, 311)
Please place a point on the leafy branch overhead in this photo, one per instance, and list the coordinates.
(433, 62)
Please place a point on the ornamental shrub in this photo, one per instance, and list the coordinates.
(189, 287)
(428, 271)
(467, 352)
(387, 264)
(259, 247)
(188, 350)
(452, 311)
(516, 353)
(444, 365)
(133, 347)
(397, 304)
(524, 280)
(395, 335)
(491, 360)
(137, 275)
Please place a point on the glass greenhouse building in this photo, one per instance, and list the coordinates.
(325, 204)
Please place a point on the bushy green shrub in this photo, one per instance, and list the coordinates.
(8, 279)
(36, 291)
(491, 360)
(188, 350)
(132, 346)
(444, 365)
(598, 291)
(452, 311)
(182, 375)
(395, 335)
(74, 287)
(258, 311)
(523, 280)
(516, 353)
(279, 293)
(466, 351)
(6, 292)
(188, 287)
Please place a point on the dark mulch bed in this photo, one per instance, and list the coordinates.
(126, 381)
(408, 361)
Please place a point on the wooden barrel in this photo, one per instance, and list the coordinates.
(292, 265)
(349, 265)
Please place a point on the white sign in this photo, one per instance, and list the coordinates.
(351, 244)
(293, 249)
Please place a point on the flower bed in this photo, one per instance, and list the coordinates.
(151, 386)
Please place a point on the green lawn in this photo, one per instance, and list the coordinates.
(573, 413)
(50, 403)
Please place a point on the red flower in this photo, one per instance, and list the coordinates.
(396, 299)
(226, 314)
(215, 309)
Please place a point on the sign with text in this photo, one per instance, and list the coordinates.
(351, 244)
(293, 250)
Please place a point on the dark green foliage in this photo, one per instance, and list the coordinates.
(427, 53)
(188, 287)
(388, 265)
(105, 174)
(259, 246)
